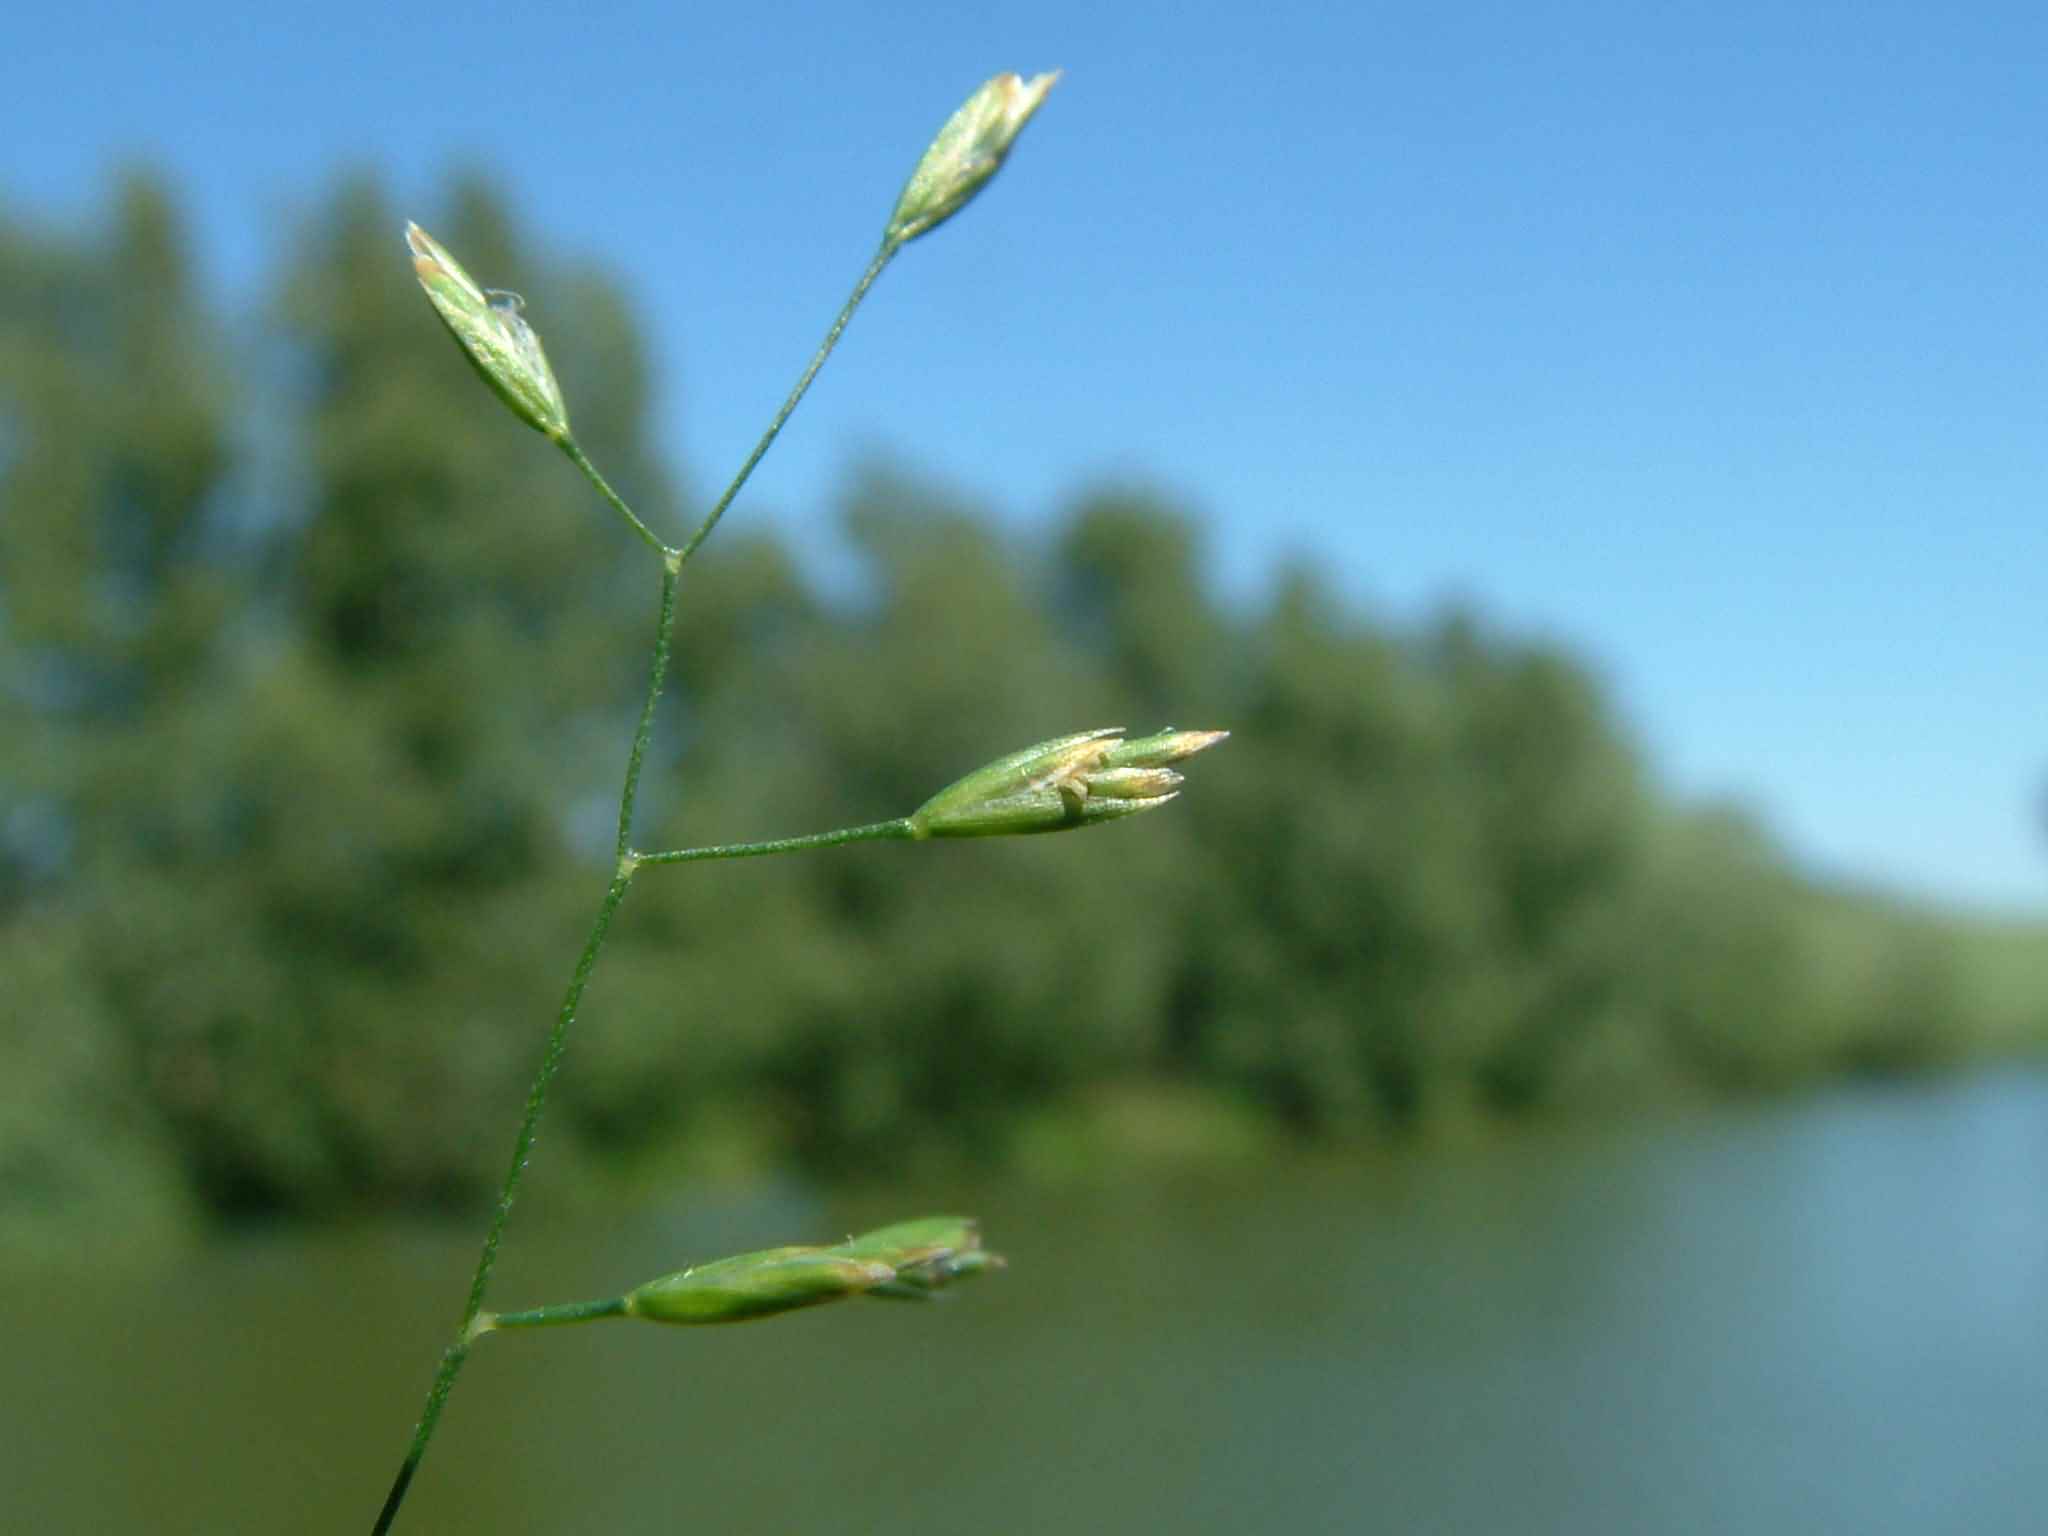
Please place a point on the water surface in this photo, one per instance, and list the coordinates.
(1829, 1315)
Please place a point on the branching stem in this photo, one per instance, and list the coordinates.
(475, 1322)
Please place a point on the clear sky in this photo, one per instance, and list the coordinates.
(1710, 338)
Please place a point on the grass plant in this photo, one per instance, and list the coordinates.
(1070, 781)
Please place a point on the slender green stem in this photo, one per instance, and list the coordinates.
(558, 1038)
(643, 733)
(553, 1317)
(444, 1379)
(860, 291)
(569, 446)
(551, 1061)
(881, 831)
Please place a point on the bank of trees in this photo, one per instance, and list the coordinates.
(314, 672)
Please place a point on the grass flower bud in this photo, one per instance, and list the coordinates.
(913, 1242)
(926, 1255)
(1070, 781)
(751, 1285)
(922, 1282)
(1169, 746)
(968, 151)
(1133, 783)
(491, 330)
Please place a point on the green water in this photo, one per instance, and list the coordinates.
(1822, 1316)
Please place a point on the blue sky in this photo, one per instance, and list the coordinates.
(1708, 338)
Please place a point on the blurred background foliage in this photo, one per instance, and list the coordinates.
(316, 674)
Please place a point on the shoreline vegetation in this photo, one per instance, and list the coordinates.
(307, 691)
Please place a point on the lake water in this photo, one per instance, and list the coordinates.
(1819, 1316)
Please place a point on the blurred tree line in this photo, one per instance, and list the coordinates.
(316, 673)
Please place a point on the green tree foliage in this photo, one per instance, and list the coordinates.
(294, 795)
(113, 439)
(313, 666)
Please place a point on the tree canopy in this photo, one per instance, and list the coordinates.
(316, 673)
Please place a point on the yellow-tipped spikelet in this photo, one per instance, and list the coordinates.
(1070, 781)
(491, 329)
(969, 150)
(911, 1259)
